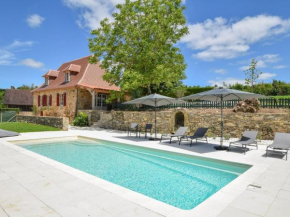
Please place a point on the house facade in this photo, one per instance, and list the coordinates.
(75, 85)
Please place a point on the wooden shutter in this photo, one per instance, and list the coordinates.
(38, 100)
(57, 99)
(50, 100)
(64, 99)
(44, 100)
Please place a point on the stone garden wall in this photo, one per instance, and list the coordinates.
(58, 122)
(234, 123)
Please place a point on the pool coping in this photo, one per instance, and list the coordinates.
(217, 201)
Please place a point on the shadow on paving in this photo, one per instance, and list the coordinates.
(275, 155)
(197, 147)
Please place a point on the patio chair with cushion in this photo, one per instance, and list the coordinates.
(147, 129)
(133, 128)
(249, 138)
(280, 144)
(198, 135)
(179, 133)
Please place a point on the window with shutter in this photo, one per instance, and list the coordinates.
(64, 99)
(44, 100)
(57, 99)
(38, 101)
(50, 100)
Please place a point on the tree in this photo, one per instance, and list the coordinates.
(27, 87)
(137, 49)
(252, 74)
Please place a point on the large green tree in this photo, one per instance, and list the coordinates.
(138, 48)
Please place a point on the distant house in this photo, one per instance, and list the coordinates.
(73, 86)
(22, 99)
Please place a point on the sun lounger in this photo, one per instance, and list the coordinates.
(280, 144)
(249, 138)
(133, 128)
(5, 133)
(198, 135)
(179, 133)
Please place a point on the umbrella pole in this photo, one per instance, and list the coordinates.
(155, 121)
(222, 124)
(221, 146)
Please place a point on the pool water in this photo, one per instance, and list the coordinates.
(182, 181)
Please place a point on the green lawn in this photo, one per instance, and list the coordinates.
(281, 97)
(25, 127)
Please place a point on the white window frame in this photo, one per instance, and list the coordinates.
(46, 81)
(67, 77)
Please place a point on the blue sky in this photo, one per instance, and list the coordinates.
(36, 36)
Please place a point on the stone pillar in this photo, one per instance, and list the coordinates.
(93, 98)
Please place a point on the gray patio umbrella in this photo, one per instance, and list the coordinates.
(155, 100)
(220, 95)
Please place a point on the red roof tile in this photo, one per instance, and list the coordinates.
(51, 73)
(89, 75)
(73, 68)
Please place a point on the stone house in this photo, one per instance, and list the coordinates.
(75, 85)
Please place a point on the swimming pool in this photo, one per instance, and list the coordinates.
(179, 180)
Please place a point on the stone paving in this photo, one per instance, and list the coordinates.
(32, 185)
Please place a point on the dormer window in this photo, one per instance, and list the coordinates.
(46, 81)
(67, 77)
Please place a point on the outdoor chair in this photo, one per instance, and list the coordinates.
(147, 129)
(133, 128)
(179, 133)
(280, 144)
(249, 138)
(198, 135)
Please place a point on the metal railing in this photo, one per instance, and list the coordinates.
(264, 103)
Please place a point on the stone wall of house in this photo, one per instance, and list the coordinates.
(73, 95)
(234, 123)
(58, 122)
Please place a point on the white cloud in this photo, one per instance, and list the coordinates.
(31, 63)
(220, 71)
(267, 75)
(7, 53)
(262, 61)
(222, 39)
(280, 67)
(220, 82)
(93, 11)
(6, 57)
(34, 20)
(17, 44)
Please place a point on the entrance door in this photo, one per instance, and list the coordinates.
(100, 101)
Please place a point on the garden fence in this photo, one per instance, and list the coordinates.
(265, 103)
(8, 116)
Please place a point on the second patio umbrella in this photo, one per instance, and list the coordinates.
(220, 95)
(155, 100)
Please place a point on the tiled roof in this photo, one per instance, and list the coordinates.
(89, 76)
(73, 68)
(18, 97)
(51, 73)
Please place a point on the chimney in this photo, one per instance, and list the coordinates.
(12, 88)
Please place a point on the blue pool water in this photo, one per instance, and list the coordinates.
(179, 180)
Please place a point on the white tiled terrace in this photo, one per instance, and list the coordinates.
(33, 185)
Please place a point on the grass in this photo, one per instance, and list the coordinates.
(281, 97)
(26, 127)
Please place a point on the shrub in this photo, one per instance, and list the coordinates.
(81, 120)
